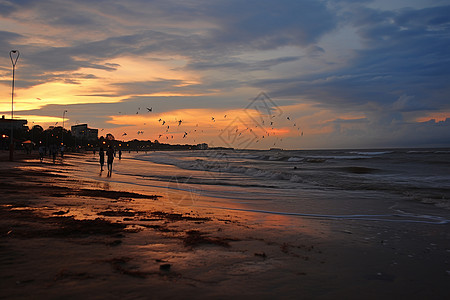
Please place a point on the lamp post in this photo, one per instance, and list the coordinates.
(14, 55)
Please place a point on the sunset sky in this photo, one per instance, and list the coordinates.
(296, 74)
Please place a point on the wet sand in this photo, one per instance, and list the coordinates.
(68, 237)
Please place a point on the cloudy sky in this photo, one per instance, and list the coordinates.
(292, 74)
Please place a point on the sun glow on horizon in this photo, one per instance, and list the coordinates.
(230, 128)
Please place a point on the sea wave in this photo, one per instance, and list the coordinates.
(312, 158)
(336, 170)
(349, 157)
(401, 217)
(295, 159)
(223, 166)
(371, 152)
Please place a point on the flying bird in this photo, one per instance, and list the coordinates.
(288, 118)
(124, 134)
(164, 122)
(150, 109)
(179, 122)
(212, 118)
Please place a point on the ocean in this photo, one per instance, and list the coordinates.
(391, 185)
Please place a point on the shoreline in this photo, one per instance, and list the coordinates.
(62, 236)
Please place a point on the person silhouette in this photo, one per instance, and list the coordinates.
(101, 154)
(41, 152)
(110, 159)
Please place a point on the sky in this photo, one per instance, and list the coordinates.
(256, 74)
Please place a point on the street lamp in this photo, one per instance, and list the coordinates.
(14, 55)
(62, 134)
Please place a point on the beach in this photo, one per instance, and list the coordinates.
(67, 231)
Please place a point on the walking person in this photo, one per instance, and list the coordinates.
(54, 152)
(41, 152)
(101, 153)
(110, 159)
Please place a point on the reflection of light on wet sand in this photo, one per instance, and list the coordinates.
(177, 195)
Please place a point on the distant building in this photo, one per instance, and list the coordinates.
(82, 131)
(17, 124)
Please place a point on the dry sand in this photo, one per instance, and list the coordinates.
(70, 238)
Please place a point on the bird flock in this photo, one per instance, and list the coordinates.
(269, 126)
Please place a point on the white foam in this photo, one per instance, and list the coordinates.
(401, 217)
(371, 152)
(296, 178)
(294, 159)
(275, 158)
(338, 156)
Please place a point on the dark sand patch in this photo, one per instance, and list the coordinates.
(196, 238)
(112, 194)
(28, 224)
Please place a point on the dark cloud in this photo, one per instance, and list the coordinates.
(26, 80)
(9, 7)
(405, 52)
(267, 24)
(149, 87)
(241, 65)
(7, 40)
(6, 8)
(236, 27)
(171, 86)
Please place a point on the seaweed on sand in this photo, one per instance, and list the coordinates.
(195, 238)
(28, 224)
(177, 217)
(113, 194)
